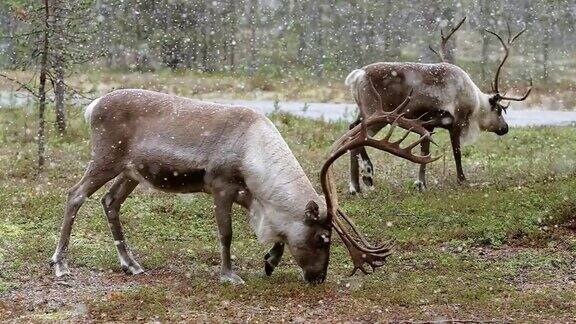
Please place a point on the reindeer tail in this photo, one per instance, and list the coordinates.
(365, 95)
(89, 109)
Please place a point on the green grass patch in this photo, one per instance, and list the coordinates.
(500, 247)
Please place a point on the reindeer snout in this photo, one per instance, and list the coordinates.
(502, 130)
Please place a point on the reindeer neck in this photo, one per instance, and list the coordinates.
(277, 177)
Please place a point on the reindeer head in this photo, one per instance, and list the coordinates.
(494, 121)
(358, 247)
(310, 244)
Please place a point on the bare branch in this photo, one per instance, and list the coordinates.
(21, 84)
(69, 87)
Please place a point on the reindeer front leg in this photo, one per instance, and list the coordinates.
(366, 168)
(425, 150)
(273, 257)
(224, 197)
(455, 140)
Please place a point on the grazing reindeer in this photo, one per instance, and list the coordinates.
(180, 145)
(444, 96)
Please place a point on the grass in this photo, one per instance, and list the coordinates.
(502, 247)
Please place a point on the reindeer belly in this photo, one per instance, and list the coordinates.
(168, 177)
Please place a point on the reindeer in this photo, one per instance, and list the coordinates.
(180, 145)
(444, 96)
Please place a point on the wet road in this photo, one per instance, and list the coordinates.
(347, 111)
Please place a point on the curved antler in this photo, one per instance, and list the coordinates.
(360, 250)
(506, 45)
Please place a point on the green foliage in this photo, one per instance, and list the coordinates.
(500, 247)
(318, 37)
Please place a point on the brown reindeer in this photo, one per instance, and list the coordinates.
(444, 96)
(235, 154)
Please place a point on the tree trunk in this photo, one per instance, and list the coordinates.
(546, 52)
(449, 53)
(58, 18)
(316, 27)
(547, 23)
(232, 37)
(356, 37)
(429, 14)
(391, 36)
(484, 14)
(11, 27)
(42, 88)
(528, 18)
(299, 17)
(204, 48)
(370, 35)
(59, 95)
(253, 22)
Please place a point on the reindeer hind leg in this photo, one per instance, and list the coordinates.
(95, 177)
(366, 166)
(421, 181)
(112, 202)
(354, 186)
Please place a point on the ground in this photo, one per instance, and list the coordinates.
(501, 247)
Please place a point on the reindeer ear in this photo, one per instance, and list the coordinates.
(312, 212)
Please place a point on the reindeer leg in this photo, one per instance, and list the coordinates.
(94, 178)
(421, 182)
(224, 197)
(366, 168)
(273, 257)
(111, 202)
(455, 139)
(354, 186)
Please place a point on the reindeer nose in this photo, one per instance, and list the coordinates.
(502, 130)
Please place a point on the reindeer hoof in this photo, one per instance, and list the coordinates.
(368, 181)
(232, 278)
(353, 190)
(134, 269)
(60, 269)
(420, 185)
(268, 267)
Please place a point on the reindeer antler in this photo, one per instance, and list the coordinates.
(358, 247)
(444, 40)
(506, 45)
